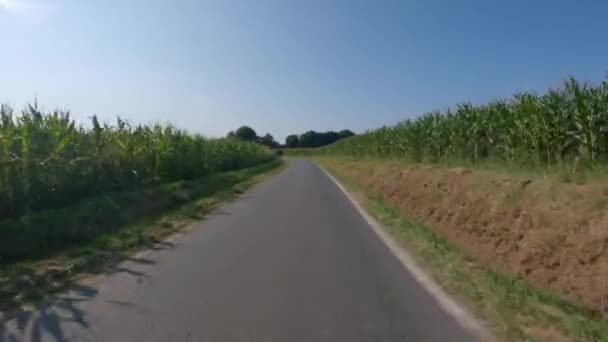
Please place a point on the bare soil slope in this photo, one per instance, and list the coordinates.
(553, 234)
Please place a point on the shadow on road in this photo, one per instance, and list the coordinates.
(37, 325)
(47, 320)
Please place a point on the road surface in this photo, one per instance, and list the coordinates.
(291, 260)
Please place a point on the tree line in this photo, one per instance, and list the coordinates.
(247, 133)
(307, 139)
(316, 139)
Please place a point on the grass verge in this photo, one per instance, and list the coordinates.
(90, 236)
(514, 310)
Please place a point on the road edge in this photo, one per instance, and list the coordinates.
(464, 318)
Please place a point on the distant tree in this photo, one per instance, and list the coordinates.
(292, 141)
(316, 139)
(328, 138)
(345, 133)
(246, 133)
(307, 139)
(268, 140)
(230, 134)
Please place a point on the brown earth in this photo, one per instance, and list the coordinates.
(551, 233)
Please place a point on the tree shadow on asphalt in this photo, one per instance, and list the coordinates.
(48, 319)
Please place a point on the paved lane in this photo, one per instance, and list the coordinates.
(291, 260)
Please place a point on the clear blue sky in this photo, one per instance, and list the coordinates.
(289, 66)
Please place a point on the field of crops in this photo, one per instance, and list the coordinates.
(566, 126)
(47, 161)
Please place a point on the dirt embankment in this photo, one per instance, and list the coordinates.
(553, 234)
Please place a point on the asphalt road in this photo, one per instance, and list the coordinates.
(292, 260)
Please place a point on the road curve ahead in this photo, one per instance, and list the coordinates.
(291, 260)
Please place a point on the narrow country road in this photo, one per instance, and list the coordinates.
(291, 260)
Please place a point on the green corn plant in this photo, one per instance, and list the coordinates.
(563, 126)
(47, 161)
(585, 122)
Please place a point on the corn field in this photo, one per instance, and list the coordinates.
(48, 161)
(568, 126)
